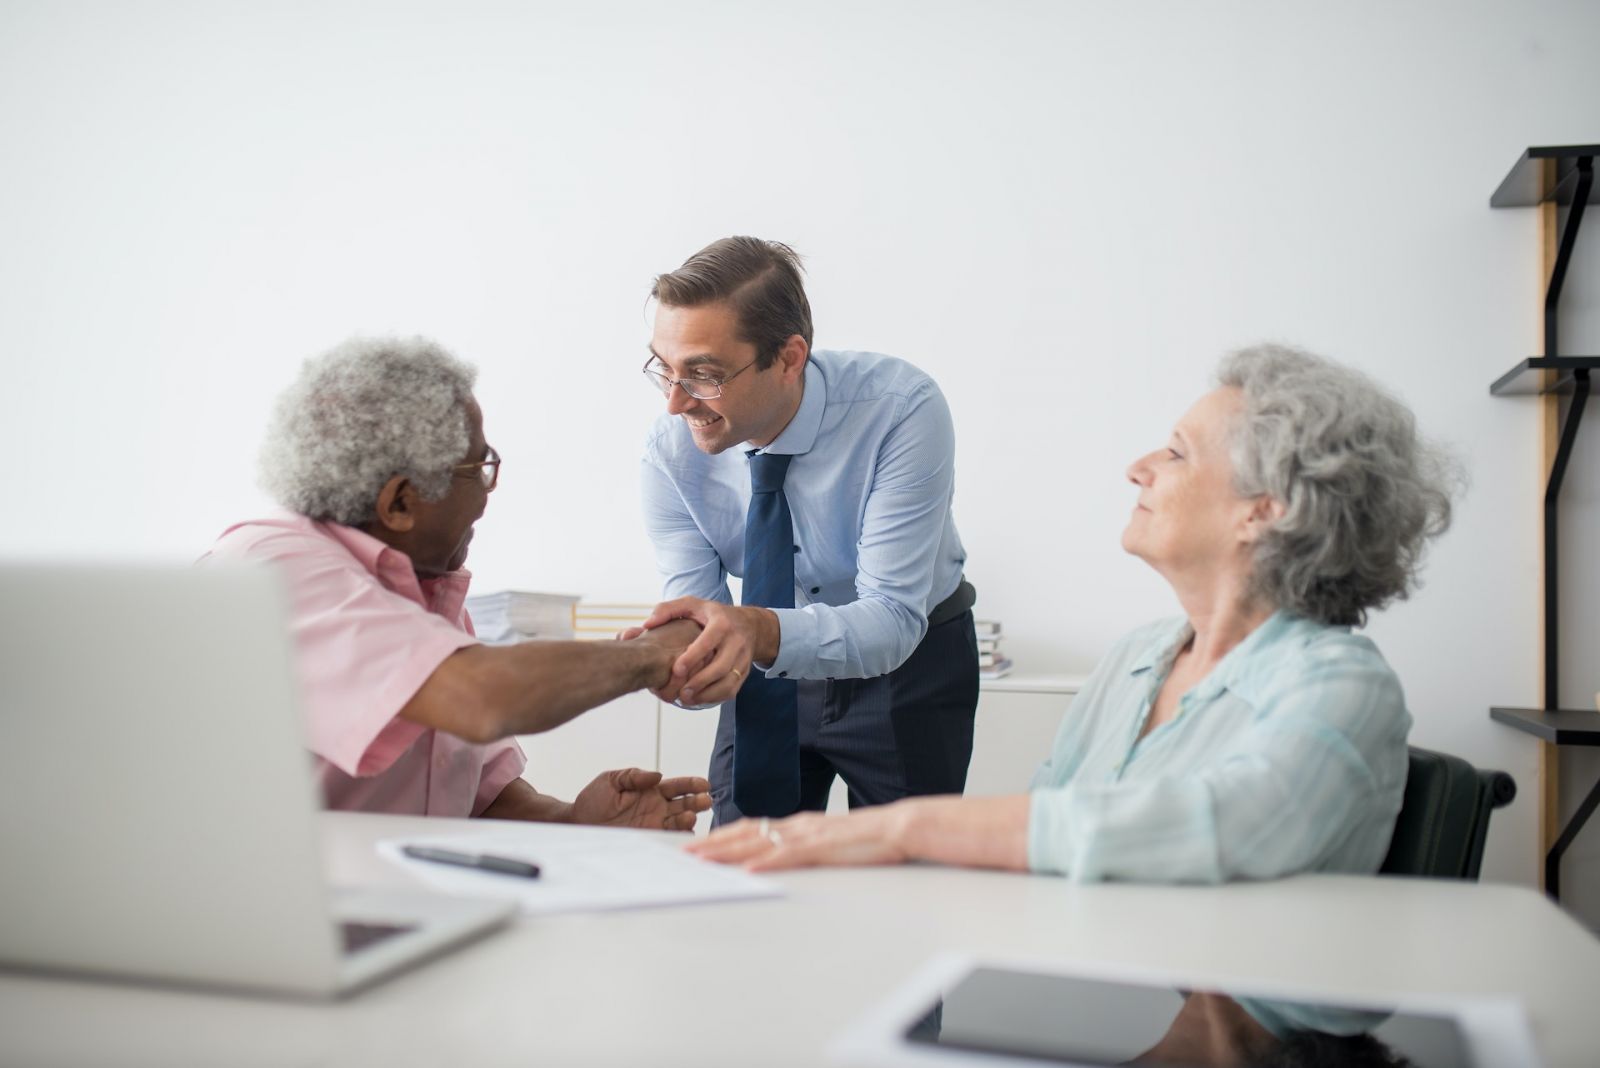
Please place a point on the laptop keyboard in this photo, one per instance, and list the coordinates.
(358, 936)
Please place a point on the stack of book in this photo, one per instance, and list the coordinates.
(992, 663)
(511, 616)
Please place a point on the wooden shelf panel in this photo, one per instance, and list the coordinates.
(1528, 378)
(1562, 726)
(1544, 174)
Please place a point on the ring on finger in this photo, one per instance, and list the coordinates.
(765, 830)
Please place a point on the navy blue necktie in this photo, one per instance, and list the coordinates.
(766, 713)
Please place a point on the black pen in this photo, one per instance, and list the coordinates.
(481, 861)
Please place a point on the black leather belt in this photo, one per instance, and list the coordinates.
(954, 605)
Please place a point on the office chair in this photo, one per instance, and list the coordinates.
(1444, 817)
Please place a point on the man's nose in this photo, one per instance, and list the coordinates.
(678, 400)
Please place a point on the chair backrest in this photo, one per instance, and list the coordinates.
(1445, 817)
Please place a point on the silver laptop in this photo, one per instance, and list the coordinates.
(157, 807)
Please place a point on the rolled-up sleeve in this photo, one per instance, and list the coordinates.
(503, 764)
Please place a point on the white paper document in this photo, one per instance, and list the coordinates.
(580, 869)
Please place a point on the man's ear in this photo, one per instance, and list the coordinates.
(1265, 511)
(792, 357)
(397, 505)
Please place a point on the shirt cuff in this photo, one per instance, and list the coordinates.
(502, 768)
(1049, 832)
(797, 643)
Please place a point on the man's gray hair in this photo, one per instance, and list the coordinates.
(358, 415)
(1362, 492)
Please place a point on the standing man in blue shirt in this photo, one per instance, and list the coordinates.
(824, 481)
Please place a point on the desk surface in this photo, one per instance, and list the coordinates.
(772, 982)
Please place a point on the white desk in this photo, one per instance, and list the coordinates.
(771, 982)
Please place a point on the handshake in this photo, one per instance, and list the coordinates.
(708, 648)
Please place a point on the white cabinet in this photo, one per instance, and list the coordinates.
(1017, 721)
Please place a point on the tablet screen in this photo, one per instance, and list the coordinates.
(1068, 1020)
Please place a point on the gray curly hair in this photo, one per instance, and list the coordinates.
(358, 415)
(1363, 493)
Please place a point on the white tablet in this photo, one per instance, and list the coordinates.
(958, 1011)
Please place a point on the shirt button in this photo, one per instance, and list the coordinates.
(816, 589)
(783, 674)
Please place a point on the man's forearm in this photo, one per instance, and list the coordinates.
(541, 685)
(520, 801)
(483, 693)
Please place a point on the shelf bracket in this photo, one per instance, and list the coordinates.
(1552, 495)
(1569, 238)
(1552, 860)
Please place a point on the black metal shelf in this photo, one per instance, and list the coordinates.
(1528, 378)
(1561, 175)
(1562, 726)
(1545, 173)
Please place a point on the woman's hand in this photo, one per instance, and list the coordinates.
(866, 836)
(976, 832)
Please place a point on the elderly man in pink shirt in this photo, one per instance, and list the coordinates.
(377, 453)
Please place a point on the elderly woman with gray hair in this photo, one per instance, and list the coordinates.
(1253, 737)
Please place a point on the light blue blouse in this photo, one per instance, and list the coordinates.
(1289, 756)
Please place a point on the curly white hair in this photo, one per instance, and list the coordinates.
(367, 410)
(1363, 492)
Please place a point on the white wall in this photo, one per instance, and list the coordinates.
(1064, 211)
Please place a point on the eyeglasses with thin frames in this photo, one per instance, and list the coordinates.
(700, 387)
(487, 469)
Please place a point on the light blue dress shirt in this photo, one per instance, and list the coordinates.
(870, 488)
(1289, 756)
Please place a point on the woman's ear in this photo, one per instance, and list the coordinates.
(397, 505)
(1265, 511)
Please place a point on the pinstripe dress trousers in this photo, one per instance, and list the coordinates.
(903, 734)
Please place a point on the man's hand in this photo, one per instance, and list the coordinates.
(716, 664)
(635, 798)
(671, 637)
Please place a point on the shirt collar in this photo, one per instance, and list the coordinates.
(801, 433)
(393, 568)
(1162, 651)
(1230, 671)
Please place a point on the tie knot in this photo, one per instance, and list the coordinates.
(767, 471)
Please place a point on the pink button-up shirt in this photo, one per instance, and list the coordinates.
(367, 634)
